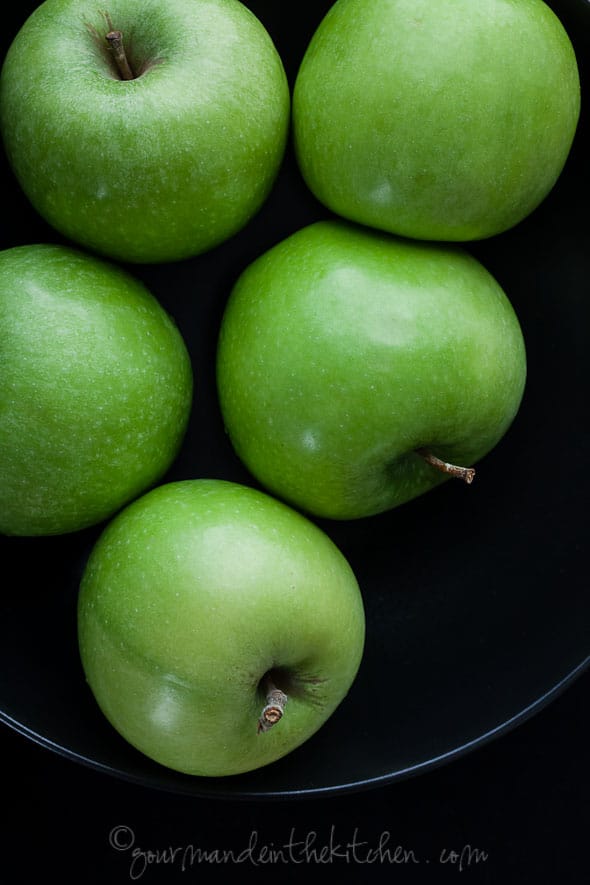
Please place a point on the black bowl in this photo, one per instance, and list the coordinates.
(476, 596)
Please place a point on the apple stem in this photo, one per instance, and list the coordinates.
(274, 708)
(465, 473)
(115, 41)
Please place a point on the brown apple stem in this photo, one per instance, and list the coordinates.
(115, 41)
(274, 708)
(465, 473)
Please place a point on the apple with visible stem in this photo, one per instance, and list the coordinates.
(218, 628)
(357, 370)
(96, 389)
(436, 119)
(145, 131)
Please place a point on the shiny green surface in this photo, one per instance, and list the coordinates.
(191, 595)
(96, 389)
(342, 351)
(160, 167)
(436, 119)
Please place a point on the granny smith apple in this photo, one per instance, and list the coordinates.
(436, 119)
(96, 389)
(145, 131)
(357, 370)
(218, 628)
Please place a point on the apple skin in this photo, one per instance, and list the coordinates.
(190, 596)
(436, 119)
(161, 167)
(96, 389)
(343, 350)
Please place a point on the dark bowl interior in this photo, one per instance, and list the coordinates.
(476, 597)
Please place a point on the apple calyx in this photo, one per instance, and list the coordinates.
(274, 708)
(467, 474)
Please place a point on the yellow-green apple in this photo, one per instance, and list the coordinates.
(146, 130)
(436, 119)
(96, 389)
(218, 628)
(357, 370)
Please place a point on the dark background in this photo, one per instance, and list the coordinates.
(521, 798)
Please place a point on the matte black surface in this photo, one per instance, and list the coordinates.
(476, 597)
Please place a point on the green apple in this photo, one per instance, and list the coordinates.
(218, 628)
(158, 167)
(436, 119)
(96, 389)
(357, 370)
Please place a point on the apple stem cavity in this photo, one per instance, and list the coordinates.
(467, 474)
(274, 708)
(115, 40)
